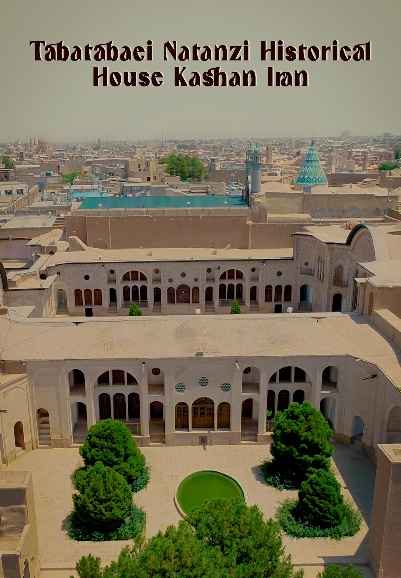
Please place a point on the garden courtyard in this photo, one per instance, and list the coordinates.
(52, 471)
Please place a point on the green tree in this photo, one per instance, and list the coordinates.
(335, 571)
(70, 177)
(103, 501)
(251, 545)
(175, 552)
(235, 307)
(89, 567)
(397, 154)
(7, 162)
(320, 502)
(134, 310)
(388, 166)
(110, 442)
(301, 440)
(184, 166)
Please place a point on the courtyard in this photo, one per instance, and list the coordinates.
(52, 469)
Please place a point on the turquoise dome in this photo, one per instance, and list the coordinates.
(311, 173)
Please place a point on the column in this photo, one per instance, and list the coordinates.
(262, 407)
(144, 401)
(90, 404)
(316, 388)
(236, 404)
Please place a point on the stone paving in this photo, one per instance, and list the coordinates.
(52, 469)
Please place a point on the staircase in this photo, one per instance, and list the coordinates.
(44, 430)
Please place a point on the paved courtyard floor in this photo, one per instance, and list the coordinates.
(52, 471)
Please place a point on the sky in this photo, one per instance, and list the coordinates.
(57, 102)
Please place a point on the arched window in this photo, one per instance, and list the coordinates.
(143, 293)
(232, 274)
(203, 413)
(119, 406)
(88, 297)
(135, 293)
(134, 276)
(253, 294)
(338, 277)
(278, 293)
(195, 294)
(337, 302)
(329, 376)
(268, 294)
(181, 416)
(78, 298)
(283, 400)
(134, 406)
(126, 294)
(239, 291)
(19, 441)
(183, 294)
(230, 291)
(171, 295)
(97, 295)
(299, 396)
(76, 380)
(61, 301)
(104, 406)
(287, 293)
(222, 292)
(223, 415)
(104, 379)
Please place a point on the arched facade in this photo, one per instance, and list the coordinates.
(203, 413)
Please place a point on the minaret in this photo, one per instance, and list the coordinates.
(253, 166)
(310, 173)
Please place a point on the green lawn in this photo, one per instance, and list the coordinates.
(206, 485)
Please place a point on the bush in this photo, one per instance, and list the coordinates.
(251, 545)
(134, 310)
(349, 525)
(301, 441)
(104, 499)
(320, 502)
(235, 307)
(335, 571)
(110, 442)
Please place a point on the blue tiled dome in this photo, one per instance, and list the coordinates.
(311, 173)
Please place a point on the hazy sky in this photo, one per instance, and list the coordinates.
(57, 100)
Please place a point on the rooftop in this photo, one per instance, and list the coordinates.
(163, 202)
(92, 255)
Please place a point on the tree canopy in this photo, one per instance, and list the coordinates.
(388, 166)
(301, 440)
(223, 539)
(320, 502)
(186, 167)
(104, 499)
(7, 162)
(70, 177)
(111, 443)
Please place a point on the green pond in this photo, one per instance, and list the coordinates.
(206, 485)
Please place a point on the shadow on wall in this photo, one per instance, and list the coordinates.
(358, 474)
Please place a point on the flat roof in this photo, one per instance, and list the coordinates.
(197, 336)
(163, 202)
(92, 255)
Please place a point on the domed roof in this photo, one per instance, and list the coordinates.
(311, 173)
